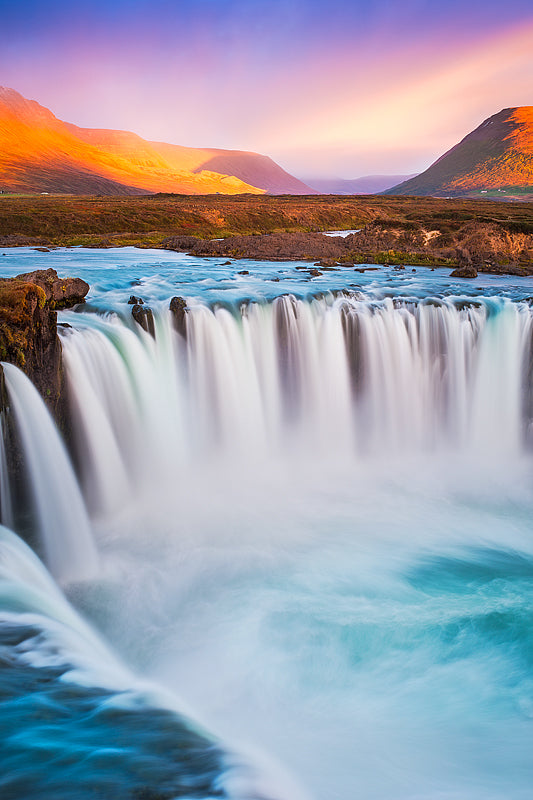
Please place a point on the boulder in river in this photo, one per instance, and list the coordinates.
(143, 316)
(178, 309)
(468, 271)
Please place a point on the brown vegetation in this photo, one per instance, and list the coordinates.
(394, 229)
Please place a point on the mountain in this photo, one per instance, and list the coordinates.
(495, 158)
(253, 168)
(40, 153)
(368, 184)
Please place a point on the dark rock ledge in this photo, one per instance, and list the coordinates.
(28, 328)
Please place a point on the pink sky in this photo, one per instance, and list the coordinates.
(388, 95)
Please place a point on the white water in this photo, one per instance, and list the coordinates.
(62, 519)
(293, 509)
(342, 234)
(346, 379)
(30, 598)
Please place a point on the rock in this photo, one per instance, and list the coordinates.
(42, 249)
(59, 292)
(135, 301)
(227, 263)
(315, 273)
(270, 247)
(465, 272)
(244, 272)
(143, 316)
(28, 339)
(452, 242)
(178, 309)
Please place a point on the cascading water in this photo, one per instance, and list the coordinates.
(62, 519)
(344, 377)
(312, 519)
(67, 670)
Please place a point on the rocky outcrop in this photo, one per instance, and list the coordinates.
(59, 292)
(178, 309)
(465, 272)
(488, 246)
(271, 247)
(28, 328)
(143, 316)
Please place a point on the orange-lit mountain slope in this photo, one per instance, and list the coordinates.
(252, 169)
(497, 156)
(39, 153)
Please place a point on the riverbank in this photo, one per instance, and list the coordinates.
(492, 237)
(475, 247)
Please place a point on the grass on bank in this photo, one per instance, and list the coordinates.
(146, 221)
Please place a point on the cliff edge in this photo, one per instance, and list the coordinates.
(28, 328)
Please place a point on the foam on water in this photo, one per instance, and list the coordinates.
(312, 518)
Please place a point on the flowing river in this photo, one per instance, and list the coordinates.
(288, 552)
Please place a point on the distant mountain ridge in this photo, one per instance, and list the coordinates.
(496, 156)
(40, 153)
(368, 184)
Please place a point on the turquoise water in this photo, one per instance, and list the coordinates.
(156, 275)
(315, 552)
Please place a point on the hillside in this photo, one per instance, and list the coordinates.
(40, 153)
(252, 168)
(368, 184)
(495, 159)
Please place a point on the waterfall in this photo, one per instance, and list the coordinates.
(62, 518)
(340, 377)
(312, 519)
(43, 637)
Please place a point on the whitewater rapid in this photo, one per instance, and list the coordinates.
(306, 533)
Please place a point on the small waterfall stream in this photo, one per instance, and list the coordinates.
(70, 552)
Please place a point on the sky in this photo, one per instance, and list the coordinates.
(328, 88)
